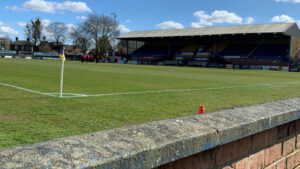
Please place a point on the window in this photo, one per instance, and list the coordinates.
(16, 47)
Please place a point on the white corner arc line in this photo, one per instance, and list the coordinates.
(24, 89)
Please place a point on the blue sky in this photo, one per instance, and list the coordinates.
(135, 15)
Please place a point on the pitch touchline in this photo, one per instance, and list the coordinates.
(178, 90)
(75, 95)
(24, 89)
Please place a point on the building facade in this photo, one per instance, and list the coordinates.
(22, 47)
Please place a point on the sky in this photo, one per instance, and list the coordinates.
(135, 15)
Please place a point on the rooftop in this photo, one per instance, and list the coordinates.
(22, 42)
(290, 29)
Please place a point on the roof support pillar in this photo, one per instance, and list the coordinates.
(290, 47)
(127, 53)
(169, 48)
(215, 47)
(135, 50)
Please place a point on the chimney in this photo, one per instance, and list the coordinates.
(17, 38)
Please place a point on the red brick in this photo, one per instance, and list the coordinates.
(232, 151)
(298, 125)
(289, 146)
(293, 160)
(202, 160)
(242, 164)
(293, 127)
(298, 142)
(265, 138)
(272, 154)
(257, 160)
(283, 131)
(281, 164)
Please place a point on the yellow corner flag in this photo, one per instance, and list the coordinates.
(62, 54)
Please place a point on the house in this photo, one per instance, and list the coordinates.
(49, 47)
(72, 50)
(56, 46)
(45, 47)
(53, 47)
(21, 46)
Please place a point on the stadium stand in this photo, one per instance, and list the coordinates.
(271, 51)
(153, 51)
(187, 51)
(239, 46)
(237, 51)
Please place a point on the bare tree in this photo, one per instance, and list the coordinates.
(122, 47)
(102, 30)
(80, 39)
(103, 45)
(44, 38)
(5, 43)
(57, 32)
(28, 31)
(33, 31)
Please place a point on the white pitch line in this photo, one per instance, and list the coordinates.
(75, 95)
(24, 89)
(180, 90)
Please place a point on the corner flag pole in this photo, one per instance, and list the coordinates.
(61, 77)
(63, 59)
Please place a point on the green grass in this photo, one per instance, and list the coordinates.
(27, 117)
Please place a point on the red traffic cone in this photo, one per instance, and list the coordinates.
(201, 109)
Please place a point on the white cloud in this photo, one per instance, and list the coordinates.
(123, 29)
(282, 18)
(71, 27)
(39, 5)
(81, 17)
(292, 1)
(15, 8)
(52, 7)
(7, 30)
(73, 6)
(249, 20)
(22, 24)
(45, 22)
(170, 25)
(127, 21)
(218, 16)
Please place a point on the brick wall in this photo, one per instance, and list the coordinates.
(276, 148)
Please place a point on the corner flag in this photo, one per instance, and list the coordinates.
(63, 59)
(62, 54)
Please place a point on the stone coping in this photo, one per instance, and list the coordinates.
(152, 144)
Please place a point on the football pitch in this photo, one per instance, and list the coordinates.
(105, 96)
